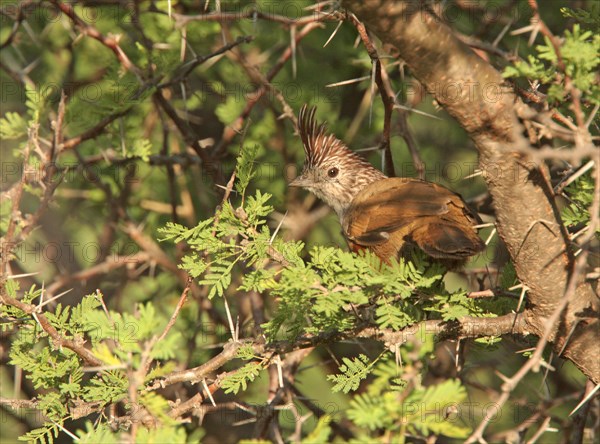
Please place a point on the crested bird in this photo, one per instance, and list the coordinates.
(388, 215)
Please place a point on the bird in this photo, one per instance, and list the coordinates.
(390, 216)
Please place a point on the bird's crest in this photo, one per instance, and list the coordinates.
(318, 145)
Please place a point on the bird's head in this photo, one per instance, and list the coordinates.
(332, 172)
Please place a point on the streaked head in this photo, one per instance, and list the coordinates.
(331, 171)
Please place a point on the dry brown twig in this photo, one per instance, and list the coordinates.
(569, 87)
(387, 95)
(468, 327)
(534, 361)
(111, 42)
(18, 19)
(57, 339)
(389, 104)
(46, 181)
(247, 13)
(234, 128)
(149, 249)
(186, 68)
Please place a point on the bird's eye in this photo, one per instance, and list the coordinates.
(333, 172)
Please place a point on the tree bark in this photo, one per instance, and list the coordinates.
(475, 94)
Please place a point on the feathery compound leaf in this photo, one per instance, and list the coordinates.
(321, 431)
(141, 148)
(581, 195)
(12, 126)
(218, 279)
(369, 411)
(239, 380)
(352, 372)
(394, 314)
(42, 435)
(109, 387)
(165, 434)
(194, 265)
(434, 410)
(178, 233)
(80, 313)
(259, 280)
(246, 352)
(101, 433)
(580, 57)
(590, 16)
(245, 167)
(257, 208)
(157, 406)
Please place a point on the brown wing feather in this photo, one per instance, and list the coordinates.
(399, 209)
(446, 241)
(401, 200)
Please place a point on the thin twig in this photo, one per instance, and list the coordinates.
(58, 340)
(387, 95)
(233, 129)
(178, 308)
(111, 42)
(186, 68)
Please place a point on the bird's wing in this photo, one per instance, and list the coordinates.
(392, 204)
(447, 241)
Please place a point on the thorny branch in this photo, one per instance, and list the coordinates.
(389, 104)
(111, 42)
(461, 329)
(57, 339)
(152, 254)
(234, 128)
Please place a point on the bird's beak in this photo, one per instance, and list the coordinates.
(300, 181)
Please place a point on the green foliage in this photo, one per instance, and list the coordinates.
(581, 195)
(170, 434)
(246, 352)
(589, 18)
(12, 126)
(367, 411)
(387, 374)
(311, 293)
(219, 241)
(108, 387)
(117, 339)
(95, 434)
(394, 314)
(245, 167)
(352, 372)
(321, 295)
(238, 380)
(157, 406)
(102, 433)
(141, 148)
(216, 237)
(425, 411)
(42, 434)
(455, 306)
(439, 399)
(229, 110)
(321, 431)
(315, 296)
(579, 57)
(534, 68)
